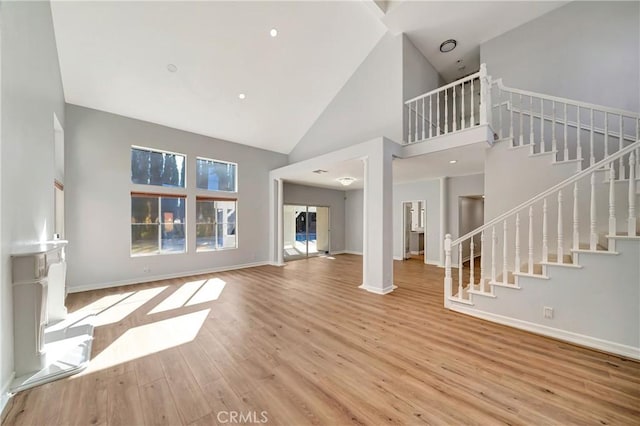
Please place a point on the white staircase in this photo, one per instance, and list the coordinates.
(566, 262)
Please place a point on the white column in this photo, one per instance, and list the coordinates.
(443, 216)
(378, 205)
(280, 227)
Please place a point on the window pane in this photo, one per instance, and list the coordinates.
(144, 210)
(215, 175)
(157, 168)
(173, 224)
(144, 239)
(216, 225)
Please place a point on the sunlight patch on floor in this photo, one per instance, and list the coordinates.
(148, 339)
(191, 293)
(209, 292)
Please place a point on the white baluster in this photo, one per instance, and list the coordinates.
(566, 139)
(500, 132)
(606, 134)
(446, 111)
(520, 129)
(482, 261)
(632, 194)
(473, 116)
(430, 118)
(545, 233)
(493, 255)
(454, 112)
(513, 142)
(517, 259)
(530, 266)
(505, 273)
(471, 262)
(438, 111)
(612, 201)
(554, 142)
(593, 235)
(578, 131)
(460, 270)
(576, 235)
(462, 114)
(409, 132)
(416, 125)
(592, 156)
(531, 139)
(620, 146)
(542, 147)
(424, 122)
(448, 281)
(560, 231)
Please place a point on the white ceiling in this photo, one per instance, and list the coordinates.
(470, 23)
(114, 57)
(469, 160)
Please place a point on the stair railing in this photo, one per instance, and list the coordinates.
(537, 207)
(565, 127)
(457, 106)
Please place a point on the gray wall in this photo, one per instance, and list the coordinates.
(428, 190)
(354, 208)
(31, 94)
(457, 187)
(588, 51)
(368, 106)
(98, 199)
(314, 196)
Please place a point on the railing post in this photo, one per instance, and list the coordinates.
(517, 258)
(579, 145)
(542, 143)
(545, 234)
(560, 258)
(521, 129)
(471, 272)
(462, 113)
(454, 112)
(482, 261)
(593, 235)
(485, 97)
(632, 195)
(424, 122)
(532, 141)
(473, 113)
(493, 255)
(448, 281)
(592, 155)
(415, 138)
(612, 201)
(576, 235)
(620, 146)
(409, 121)
(460, 267)
(430, 118)
(530, 260)
(566, 134)
(505, 273)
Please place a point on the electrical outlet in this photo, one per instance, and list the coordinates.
(548, 312)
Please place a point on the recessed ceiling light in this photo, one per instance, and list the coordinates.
(172, 68)
(453, 161)
(448, 45)
(346, 181)
(242, 96)
(273, 32)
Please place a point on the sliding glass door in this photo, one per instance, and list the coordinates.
(306, 231)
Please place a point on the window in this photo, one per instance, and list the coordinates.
(216, 175)
(215, 224)
(149, 167)
(157, 224)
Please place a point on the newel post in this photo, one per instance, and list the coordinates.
(485, 95)
(448, 282)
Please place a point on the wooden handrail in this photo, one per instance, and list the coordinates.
(550, 191)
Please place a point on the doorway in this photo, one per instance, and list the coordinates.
(414, 236)
(306, 231)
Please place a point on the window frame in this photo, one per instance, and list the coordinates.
(159, 223)
(205, 198)
(185, 168)
(235, 183)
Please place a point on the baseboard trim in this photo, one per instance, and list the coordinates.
(5, 396)
(377, 290)
(397, 258)
(556, 333)
(140, 280)
(433, 262)
(357, 253)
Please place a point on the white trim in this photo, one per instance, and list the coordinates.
(435, 262)
(357, 253)
(397, 258)
(98, 286)
(377, 290)
(6, 396)
(556, 333)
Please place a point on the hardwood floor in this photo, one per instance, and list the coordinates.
(303, 345)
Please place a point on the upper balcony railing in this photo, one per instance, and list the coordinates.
(457, 106)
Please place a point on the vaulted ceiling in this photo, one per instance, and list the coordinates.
(184, 64)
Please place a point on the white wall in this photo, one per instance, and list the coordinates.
(314, 196)
(368, 106)
(354, 209)
(428, 190)
(588, 51)
(31, 94)
(98, 186)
